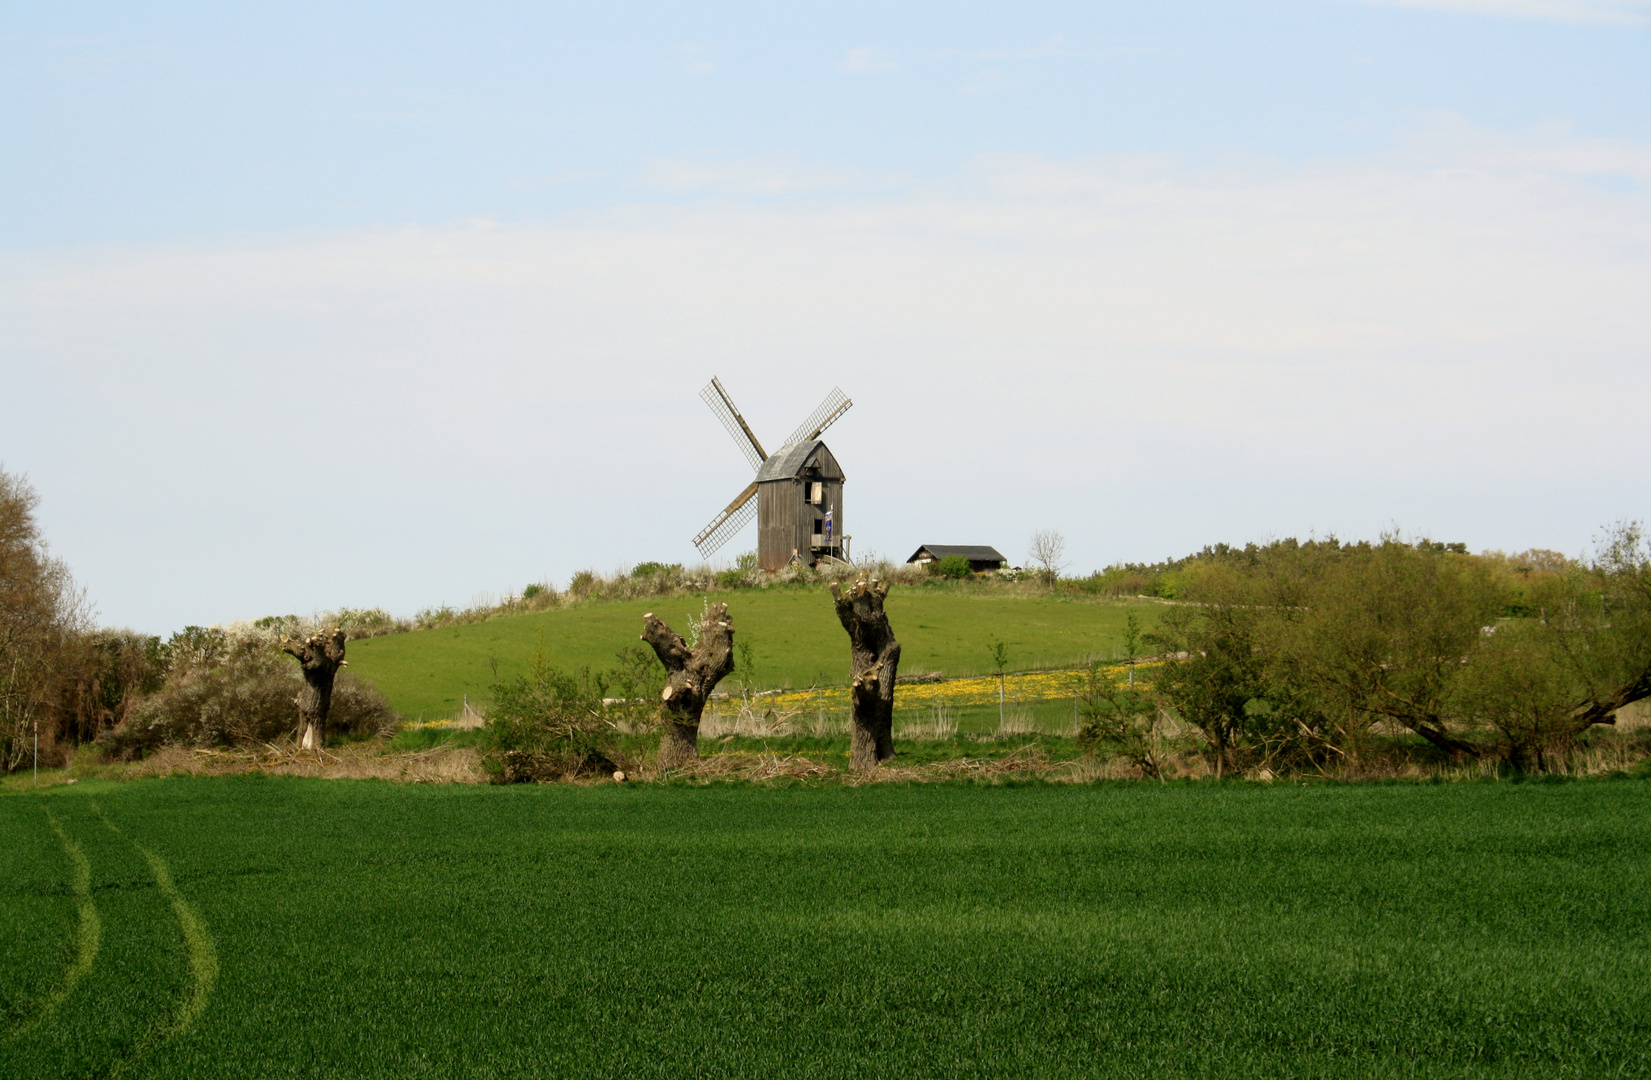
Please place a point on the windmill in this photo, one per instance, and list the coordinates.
(797, 496)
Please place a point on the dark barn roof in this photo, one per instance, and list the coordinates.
(975, 553)
(789, 461)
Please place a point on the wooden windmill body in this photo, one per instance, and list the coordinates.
(797, 495)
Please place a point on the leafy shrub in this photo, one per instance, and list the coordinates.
(1117, 718)
(548, 725)
(743, 573)
(953, 567)
(532, 591)
(196, 646)
(655, 569)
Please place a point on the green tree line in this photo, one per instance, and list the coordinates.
(1308, 655)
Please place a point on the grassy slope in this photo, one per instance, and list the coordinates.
(367, 929)
(795, 636)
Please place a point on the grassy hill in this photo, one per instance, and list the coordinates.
(794, 634)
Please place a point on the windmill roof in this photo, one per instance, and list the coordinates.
(789, 460)
(972, 552)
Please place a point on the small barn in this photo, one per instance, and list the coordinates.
(980, 556)
(800, 506)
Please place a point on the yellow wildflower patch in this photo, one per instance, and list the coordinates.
(981, 690)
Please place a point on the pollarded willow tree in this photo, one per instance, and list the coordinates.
(319, 657)
(876, 659)
(690, 676)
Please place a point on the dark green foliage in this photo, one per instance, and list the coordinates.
(1000, 656)
(655, 569)
(195, 646)
(549, 724)
(743, 573)
(634, 684)
(954, 567)
(1293, 653)
(531, 591)
(376, 930)
(1116, 717)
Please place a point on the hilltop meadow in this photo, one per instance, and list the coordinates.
(793, 634)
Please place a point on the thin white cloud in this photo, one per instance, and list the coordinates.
(1144, 355)
(1607, 12)
(1054, 48)
(868, 59)
(694, 59)
(761, 176)
(1550, 149)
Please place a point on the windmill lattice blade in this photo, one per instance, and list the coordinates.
(723, 405)
(836, 404)
(734, 517)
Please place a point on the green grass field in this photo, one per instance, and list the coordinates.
(794, 633)
(277, 927)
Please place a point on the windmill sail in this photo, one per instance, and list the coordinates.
(734, 517)
(723, 405)
(836, 404)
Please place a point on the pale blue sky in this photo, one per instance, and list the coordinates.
(1155, 274)
(142, 122)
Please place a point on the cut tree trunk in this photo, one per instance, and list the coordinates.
(319, 657)
(690, 676)
(875, 665)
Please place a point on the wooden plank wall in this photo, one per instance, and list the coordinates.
(785, 517)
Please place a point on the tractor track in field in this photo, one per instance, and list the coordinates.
(88, 930)
(202, 954)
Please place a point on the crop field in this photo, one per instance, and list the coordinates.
(286, 927)
(795, 638)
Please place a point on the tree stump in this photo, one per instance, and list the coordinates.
(319, 657)
(690, 676)
(876, 660)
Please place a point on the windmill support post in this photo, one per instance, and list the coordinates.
(876, 661)
(690, 676)
(319, 657)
